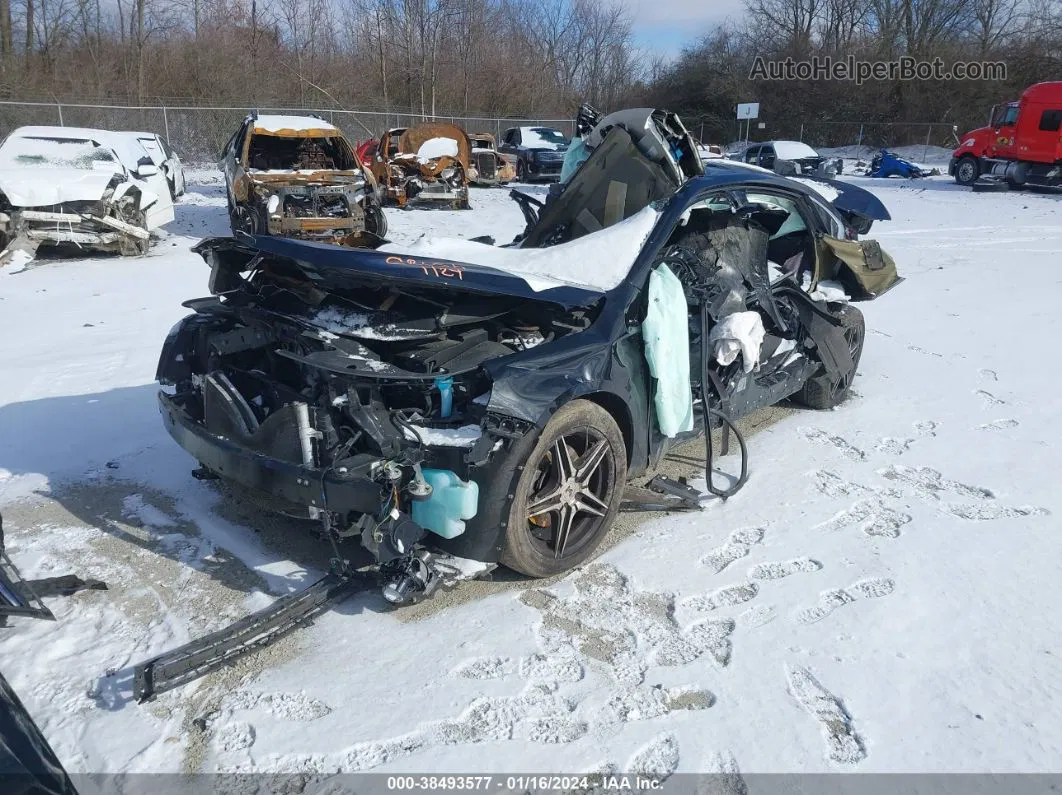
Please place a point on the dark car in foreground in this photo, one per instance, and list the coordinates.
(539, 152)
(491, 402)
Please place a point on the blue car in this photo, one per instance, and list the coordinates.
(890, 164)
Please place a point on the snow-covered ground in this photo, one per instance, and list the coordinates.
(882, 596)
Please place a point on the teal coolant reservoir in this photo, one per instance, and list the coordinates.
(445, 385)
(452, 501)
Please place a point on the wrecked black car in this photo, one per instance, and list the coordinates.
(491, 402)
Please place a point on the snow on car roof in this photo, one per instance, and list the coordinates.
(793, 150)
(294, 125)
(127, 146)
(536, 138)
(599, 261)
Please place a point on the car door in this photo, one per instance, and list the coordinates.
(507, 140)
(672, 332)
(767, 157)
(233, 165)
(752, 155)
(161, 210)
(1004, 139)
(174, 167)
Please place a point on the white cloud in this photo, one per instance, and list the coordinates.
(676, 13)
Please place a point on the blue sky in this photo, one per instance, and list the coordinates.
(666, 25)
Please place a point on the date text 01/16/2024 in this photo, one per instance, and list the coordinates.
(540, 783)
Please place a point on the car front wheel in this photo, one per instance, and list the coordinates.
(568, 493)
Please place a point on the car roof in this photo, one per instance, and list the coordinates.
(73, 133)
(295, 126)
(126, 147)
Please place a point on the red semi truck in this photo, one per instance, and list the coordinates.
(1022, 142)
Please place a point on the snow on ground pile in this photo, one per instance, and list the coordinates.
(604, 258)
(872, 601)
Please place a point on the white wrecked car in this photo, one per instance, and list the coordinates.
(90, 188)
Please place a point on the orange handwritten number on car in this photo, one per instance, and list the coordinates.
(446, 270)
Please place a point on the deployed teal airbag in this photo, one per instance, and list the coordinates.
(667, 350)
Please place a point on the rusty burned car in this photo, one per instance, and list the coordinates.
(299, 177)
(489, 167)
(454, 397)
(423, 166)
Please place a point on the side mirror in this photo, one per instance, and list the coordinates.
(147, 170)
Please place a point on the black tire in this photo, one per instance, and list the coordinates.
(521, 171)
(243, 219)
(375, 219)
(967, 170)
(823, 392)
(587, 502)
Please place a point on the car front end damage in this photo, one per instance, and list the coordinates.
(379, 409)
(324, 206)
(112, 223)
(425, 166)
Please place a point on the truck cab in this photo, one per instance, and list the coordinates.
(1022, 142)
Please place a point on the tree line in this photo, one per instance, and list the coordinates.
(427, 57)
(715, 73)
(527, 58)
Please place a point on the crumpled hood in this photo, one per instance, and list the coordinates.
(44, 187)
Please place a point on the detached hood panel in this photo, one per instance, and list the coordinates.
(44, 187)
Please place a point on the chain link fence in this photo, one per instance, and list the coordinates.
(924, 140)
(199, 133)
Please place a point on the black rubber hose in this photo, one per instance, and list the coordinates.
(709, 412)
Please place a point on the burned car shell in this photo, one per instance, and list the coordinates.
(600, 359)
(296, 176)
(413, 170)
(489, 166)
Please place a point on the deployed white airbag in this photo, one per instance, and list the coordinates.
(666, 336)
(741, 332)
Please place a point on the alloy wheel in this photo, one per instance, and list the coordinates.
(571, 494)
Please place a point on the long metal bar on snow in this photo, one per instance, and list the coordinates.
(17, 597)
(203, 655)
